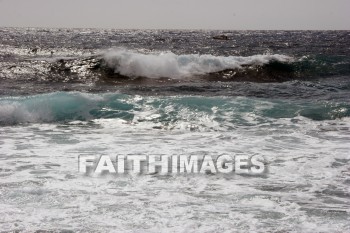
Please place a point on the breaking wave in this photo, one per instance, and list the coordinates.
(161, 112)
(170, 65)
(123, 65)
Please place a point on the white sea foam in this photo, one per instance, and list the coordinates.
(307, 163)
(307, 179)
(170, 65)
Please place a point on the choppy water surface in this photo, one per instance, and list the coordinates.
(280, 95)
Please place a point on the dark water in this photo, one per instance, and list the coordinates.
(319, 64)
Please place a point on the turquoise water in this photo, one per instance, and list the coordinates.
(63, 107)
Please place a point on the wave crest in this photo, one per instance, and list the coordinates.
(170, 65)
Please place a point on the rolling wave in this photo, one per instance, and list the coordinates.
(163, 112)
(170, 65)
(126, 66)
(129, 64)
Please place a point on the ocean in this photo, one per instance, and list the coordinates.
(280, 95)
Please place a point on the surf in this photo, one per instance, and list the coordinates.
(169, 112)
(169, 65)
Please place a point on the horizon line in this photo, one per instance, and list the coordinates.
(170, 29)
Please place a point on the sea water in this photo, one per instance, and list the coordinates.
(281, 95)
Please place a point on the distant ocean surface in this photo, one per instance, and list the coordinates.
(282, 95)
